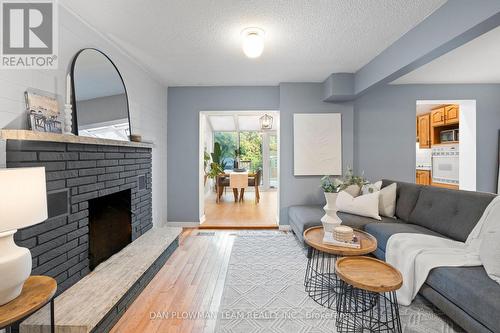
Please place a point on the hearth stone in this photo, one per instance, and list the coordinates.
(96, 302)
(77, 173)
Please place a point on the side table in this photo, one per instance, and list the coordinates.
(367, 301)
(37, 292)
(321, 282)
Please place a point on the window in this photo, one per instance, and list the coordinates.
(228, 143)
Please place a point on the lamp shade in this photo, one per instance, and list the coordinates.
(23, 198)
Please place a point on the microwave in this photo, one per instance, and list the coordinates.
(449, 135)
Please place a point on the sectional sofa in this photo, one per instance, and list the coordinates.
(466, 294)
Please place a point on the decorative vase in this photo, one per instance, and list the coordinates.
(330, 220)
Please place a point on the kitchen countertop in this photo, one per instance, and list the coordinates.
(424, 167)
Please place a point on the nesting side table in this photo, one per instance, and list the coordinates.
(321, 282)
(367, 301)
(37, 292)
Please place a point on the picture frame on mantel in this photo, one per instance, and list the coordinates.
(43, 111)
(317, 142)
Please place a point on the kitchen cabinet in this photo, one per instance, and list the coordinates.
(451, 114)
(445, 115)
(424, 130)
(437, 117)
(423, 177)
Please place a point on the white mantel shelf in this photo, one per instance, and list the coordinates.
(26, 135)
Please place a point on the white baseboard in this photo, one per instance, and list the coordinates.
(285, 227)
(183, 224)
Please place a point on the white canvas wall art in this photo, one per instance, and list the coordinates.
(317, 142)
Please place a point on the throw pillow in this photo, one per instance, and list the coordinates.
(489, 252)
(364, 205)
(370, 188)
(387, 200)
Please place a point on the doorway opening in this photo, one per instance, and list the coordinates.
(446, 143)
(239, 169)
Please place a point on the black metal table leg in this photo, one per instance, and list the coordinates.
(52, 321)
(361, 310)
(321, 282)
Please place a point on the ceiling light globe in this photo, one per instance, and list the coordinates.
(253, 43)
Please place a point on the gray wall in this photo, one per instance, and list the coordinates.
(184, 106)
(306, 98)
(384, 118)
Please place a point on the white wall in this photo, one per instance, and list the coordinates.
(467, 146)
(147, 96)
(209, 147)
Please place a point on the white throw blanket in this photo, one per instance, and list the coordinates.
(415, 255)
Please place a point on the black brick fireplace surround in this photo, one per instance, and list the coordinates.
(77, 173)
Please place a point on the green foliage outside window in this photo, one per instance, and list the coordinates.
(250, 146)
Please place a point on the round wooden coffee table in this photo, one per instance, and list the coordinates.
(37, 292)
(320, 280)
(367, 300)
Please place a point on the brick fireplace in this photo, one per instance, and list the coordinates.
(77, 175)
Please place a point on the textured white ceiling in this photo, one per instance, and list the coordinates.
(478, 61)
(198, 42)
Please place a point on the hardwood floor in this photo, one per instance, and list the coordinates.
(190, 284)
(246, 214)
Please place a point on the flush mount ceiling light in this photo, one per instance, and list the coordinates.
(253, 42)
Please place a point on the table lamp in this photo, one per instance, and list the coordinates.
(23, 203)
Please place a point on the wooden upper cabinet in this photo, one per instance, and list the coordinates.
(424, 130)
(451, 114)
(437, 117)
(446, 115)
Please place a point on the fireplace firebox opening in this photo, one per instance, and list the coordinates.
(110, 226)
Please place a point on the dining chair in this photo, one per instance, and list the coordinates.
(222, 183)
(255, 182)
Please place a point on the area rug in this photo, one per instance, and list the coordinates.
(264, 292)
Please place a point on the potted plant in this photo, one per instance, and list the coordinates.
(218, 164)
(331, 189)
(352, 184)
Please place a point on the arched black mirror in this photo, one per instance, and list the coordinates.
(100, 102)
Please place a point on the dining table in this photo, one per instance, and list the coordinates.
(238, 193)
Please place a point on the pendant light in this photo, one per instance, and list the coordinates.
(266, 122)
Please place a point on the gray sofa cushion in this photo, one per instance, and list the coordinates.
(303, 217)
(449, 212)
(382, 232)
(359, 222)
(472, 290)
(406, 197)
